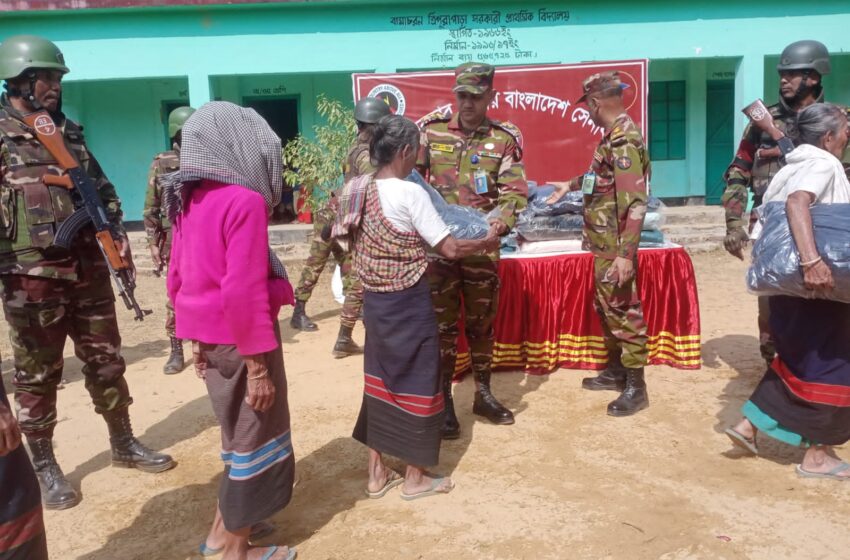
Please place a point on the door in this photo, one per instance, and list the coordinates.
(280, 113)
(719, 142)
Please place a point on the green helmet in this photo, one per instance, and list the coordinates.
(20, 53)
(177, 118)
(369, 110)
(805, 55)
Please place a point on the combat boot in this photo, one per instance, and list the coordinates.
(299, 320)
(345, 345)
(486, 405)
(634, 398)
(129, 452)
(56, 491)
(612, 378)
(175, 363)
(451, 426)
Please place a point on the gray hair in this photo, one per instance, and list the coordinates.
(391, 134)
(815, 121)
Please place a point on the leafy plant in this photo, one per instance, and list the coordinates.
(316, 163)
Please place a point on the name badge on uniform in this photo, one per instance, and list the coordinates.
(588, 183)
(448, 148)
(479, 178)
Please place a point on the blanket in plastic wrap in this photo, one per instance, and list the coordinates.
(464, 222)
(775, 268)
(542, 228)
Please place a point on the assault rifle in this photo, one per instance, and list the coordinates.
(89, 210)
(761, 119)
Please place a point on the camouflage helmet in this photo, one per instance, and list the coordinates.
(20, 53)
(177, 118)
(805, 55)
(369, 110)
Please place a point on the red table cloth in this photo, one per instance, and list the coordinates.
(546, 317)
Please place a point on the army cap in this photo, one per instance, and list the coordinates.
(600, 82)
(474, 77)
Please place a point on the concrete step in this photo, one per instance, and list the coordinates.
(703, 247)
(694, 214)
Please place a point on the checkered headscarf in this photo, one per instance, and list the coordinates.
(229, 144)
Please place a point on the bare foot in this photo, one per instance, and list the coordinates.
(378, 477)
(745, 428)
(822, 459)
(423, 483)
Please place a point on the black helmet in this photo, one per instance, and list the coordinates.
(369, 110)
(805, 55)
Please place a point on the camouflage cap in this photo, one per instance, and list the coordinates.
(474, 77)
(600, 82)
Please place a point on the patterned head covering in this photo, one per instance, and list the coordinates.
(474, 77)
(597, 83)
(229, 144)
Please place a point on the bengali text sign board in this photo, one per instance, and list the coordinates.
(558, 134)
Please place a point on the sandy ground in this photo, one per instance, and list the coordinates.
(565, 482)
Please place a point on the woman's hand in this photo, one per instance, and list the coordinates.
(493, 240)
(260, 387)
(10, 432)
(199, 359)
(818, 277)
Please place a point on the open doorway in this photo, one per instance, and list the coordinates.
(282, 115)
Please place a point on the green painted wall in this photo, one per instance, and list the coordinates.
(313, 47)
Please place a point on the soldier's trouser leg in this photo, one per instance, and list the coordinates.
(480, 288)
(766, 347)
(621, 315)
(351, 288)
(320, 251)
(445, 279)
(170, 322)
(35, 310)
(93, 327)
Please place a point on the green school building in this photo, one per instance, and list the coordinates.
(132, 61)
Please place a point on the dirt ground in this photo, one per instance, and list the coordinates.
(566, 481)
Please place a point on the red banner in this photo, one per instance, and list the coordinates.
(558, 135)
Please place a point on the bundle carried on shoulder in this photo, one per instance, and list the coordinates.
(464, 222)
(775, 268)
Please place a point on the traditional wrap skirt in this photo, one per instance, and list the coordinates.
(256, 447)
(804, 398)
(21, 523)
(403, 405)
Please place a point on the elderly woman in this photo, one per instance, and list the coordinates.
(227, 288)
(391, 221)
(802, 399)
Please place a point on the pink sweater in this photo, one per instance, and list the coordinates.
(219, 272)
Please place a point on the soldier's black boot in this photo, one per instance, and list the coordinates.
(299, 320)
(345, 345)
(451, 426)
(612, 378)
(634, 398)
(129, 452)
(56, 491)
(175, 363)
(486, 405)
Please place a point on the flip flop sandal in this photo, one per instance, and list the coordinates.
(741, 441)
(432, 491)
(273, 549)
(394, 480)
(261, 529)
(833, 474)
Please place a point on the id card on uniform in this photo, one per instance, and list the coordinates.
(479, 179)
(588, 183)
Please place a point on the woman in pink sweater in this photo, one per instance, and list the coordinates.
(227, 288)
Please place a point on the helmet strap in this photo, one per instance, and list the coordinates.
(804, 89)
(30, 94)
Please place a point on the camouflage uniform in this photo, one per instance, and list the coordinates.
(749, 171)
(157, 225)
(356, 163)
(449, 159)
(49, 296)
(614, 208)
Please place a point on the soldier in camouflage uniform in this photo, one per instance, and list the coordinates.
(801, 67)
(473, 161)
(367, 112)
(615, 196)
(158, 228)
(50, 293)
